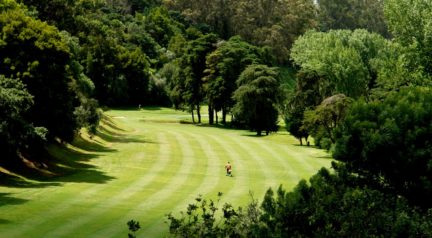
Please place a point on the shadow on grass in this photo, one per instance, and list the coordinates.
(325, 157)
(7, 180)
(107, 120)
(90, 145)
(55, 165)
(6, 200)
(3, 221)
(70, 165)
(227, 126)
(151, 108)
(110, 136)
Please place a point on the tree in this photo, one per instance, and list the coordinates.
(160, 26)
(303, 97)
(257, 98)
(293, 118)
(275, 24)
(352, 14)
(337, 205)
(409, 22)
(326, 117)
(336, 62)
(16, 132)
(389, 141)
(342, 59)
(193, 63)
(224, 66)
(29, 49)
(118, 68)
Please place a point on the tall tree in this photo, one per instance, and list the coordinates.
(257, 98)
(224, 66)
(193, 64)
(29, 49)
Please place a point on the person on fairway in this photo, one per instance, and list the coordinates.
(228, 169)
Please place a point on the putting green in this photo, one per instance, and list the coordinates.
(145, 164)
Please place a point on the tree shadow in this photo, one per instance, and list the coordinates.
(56, 165)
(329, 157)
(71, 165)
(110, 136)
(90, 145)
(254, 135)
(7, 180)
(108, 121)
(227, 126)
(151, 108)
(7, 200)
(3, 221)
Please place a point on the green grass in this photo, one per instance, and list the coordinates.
(143, 165)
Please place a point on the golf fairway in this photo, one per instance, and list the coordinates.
(144, 164)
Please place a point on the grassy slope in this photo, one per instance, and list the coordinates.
(143, 165)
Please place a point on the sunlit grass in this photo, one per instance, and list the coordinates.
(144, 164)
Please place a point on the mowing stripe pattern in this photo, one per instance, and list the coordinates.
(151, 168)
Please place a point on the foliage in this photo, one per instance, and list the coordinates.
(224, 65)
(275, 24)
(200, 220)
(88, 115)
(342, 59)
(15, 131)
(30, 48)
(338, 206)
(353, 63)
(326, 117)
(257, 97)
(389, 142)
(331, 205)
(352, 14)
(293, 117)
(410, 23)
(160, 26)
(119, 71)
(304, 96)
(133, 226)
(193, 64)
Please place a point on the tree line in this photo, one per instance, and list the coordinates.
(61, 60)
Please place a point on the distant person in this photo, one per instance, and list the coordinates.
(228, 168)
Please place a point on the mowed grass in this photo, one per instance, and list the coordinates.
(145, 164)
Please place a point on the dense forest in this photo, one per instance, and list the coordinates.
(354, 75)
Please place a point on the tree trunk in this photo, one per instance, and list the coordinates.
(211, 114)
(198, 113)
(193, 116)
(217, 118)
(223, 116)
(258, 132)
(301, 141)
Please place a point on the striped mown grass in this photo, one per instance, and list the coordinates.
(144, 164)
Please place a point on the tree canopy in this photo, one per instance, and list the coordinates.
(389, 141)
(256, 98)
